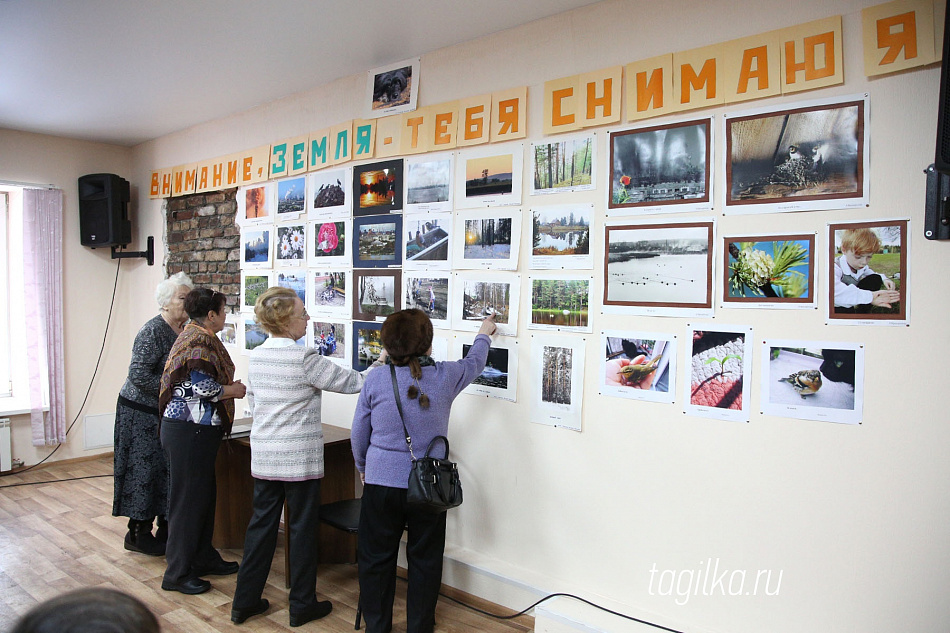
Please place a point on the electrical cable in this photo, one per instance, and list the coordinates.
(95, 371)
(54, 481)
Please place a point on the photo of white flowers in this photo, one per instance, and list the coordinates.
(290, 245)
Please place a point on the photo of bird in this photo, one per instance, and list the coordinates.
(806, 382)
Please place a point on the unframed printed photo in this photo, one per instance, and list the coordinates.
(328, 292)
(560, 237)
(478, 295)
(377, 241)
(377, 187)
(564, 165)
(499, 379)
(638, 365)
(393, 89)
(769, 271)
(256, 203)
(557, 378)
(291, 198)
(428, 241)
(229, 333)
(296, 281)
(868, 273)
(661, 169)
(257, 247)
(329, 193)
(376, 294)
(560, 302)
(488, 240)
(659, 269)
(254, 335)
(430, 292)
(328, 242)
(813, 380)
(290, 250)
(331, 339)
(253, 285)
(429, 183)
(720, 358)
(489, 176)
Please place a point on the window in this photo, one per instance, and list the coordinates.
(6, 382)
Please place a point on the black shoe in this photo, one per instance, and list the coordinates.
(141, 541)
(192, 586)
(239, 615)
(319, 610)
(224, 568)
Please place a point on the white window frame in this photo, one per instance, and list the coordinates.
(6, 362)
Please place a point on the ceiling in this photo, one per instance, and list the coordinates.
(127, 71)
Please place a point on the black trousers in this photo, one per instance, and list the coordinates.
(303, 505)
(383, 517)
(191, 450)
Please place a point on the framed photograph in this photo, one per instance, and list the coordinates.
(769, 271)
(377, 187)
(638, 366)
(254, 335)
(290, 250)
(489, 176)
(659, 269)
(376, 294)
(564, 165)
(560, 236)
(257, 247)
(812, 157)
(478, 295)
(560, 302)
(367, 345)
(377, 241)
(557, 379)
(392, 89)
(499, 379)
(291, 198)
(256, 203)
(296, 281)
(487, 239)
(428, 241)
(867, 273)
(253, 284)
(329, 243)
(229, 333)
(661, 169)
(813, 380)
(328, 193)
(429, 183)
(720, 372)
(331, 339)
(328, 291)
(430, 292)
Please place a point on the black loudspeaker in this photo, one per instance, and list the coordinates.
(104, 210)
(942, 160)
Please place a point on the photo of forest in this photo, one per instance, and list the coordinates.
(481, 299)
(487, 239)
(556, 368)
(564, 164)
(560, 302)
(554, 232)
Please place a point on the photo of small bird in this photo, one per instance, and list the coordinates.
(805, 382)
(635, 374)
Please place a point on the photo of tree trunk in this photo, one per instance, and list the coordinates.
(556, 370)
(564, 164)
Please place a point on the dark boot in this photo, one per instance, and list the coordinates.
(161, 534)
(140, 539)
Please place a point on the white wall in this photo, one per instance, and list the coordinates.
(88, 278)
(853, 516)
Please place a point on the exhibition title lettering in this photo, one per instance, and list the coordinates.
(897, 35)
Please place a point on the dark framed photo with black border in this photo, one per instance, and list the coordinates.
(376, 293)
(366, 344)
(377, 187)
(377, 241)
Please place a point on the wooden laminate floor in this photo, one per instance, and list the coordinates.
(61, 536)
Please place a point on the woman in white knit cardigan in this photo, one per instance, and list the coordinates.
(285, 381)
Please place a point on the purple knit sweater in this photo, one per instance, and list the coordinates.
(379, 446)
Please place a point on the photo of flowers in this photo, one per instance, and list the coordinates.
(489, 176)
(561, 166)
(327, 291)
(328, 193)
(376, 293)
(330, 339)
(487, 239)
(557, 379)
(377, 187)
(659, 269)
(560, 303)
(769, 271)
(478, 295)
(366, 346)
(499, 379)
(867, 274)
(661, 169)
(719, 378)
(428, 237)
(813, 380)
(256, 247)
(429, 183)
(253, 284)
(638, 365)
(255, 203)
(290, 245)
(291, 198)
(296, 281)
(328, 243)
(429, 292)
(377, 241)
(392, 89)
(560, 236)
(808, 158)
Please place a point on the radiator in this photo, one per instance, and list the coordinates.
(6, 447)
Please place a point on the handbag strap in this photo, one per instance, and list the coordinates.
(405, 431)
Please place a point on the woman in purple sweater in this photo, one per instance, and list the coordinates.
(427, 389)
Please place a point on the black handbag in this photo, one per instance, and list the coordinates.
(434, 484)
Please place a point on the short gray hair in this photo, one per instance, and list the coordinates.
(167, 288)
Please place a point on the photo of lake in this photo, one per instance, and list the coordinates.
(658, 265)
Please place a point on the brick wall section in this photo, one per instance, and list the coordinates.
(204, 241)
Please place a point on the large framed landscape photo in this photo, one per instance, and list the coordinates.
(661, 169)
(812, 157)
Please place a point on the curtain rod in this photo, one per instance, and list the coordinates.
(34, 185)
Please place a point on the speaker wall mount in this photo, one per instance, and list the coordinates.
(148, 253)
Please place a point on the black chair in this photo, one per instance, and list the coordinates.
(344, 515)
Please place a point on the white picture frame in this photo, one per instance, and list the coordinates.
(655, 353)
(499, 379)
(329, 193)
(556, 360)
(478, 294)
(489, 176)
(487, 239)
(430, 186)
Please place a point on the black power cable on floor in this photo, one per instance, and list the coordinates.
(105, 335)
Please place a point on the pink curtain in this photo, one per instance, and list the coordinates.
(43, 289)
